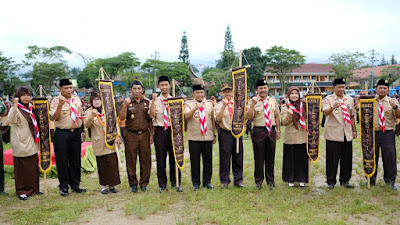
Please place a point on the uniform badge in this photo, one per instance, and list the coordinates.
(132, 116)
(130, 105)
(387, 113)
(145, 104)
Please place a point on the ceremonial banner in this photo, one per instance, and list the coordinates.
(367, 133)
(41, 112)
(239, 78)
(110, 116)
(177, 121)
(313, 107)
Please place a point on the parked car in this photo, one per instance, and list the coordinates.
(350, 92)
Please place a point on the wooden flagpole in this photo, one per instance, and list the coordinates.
(44, 174)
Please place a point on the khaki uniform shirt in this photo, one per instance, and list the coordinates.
(226, 122)
(159, 107)
(193, 124)
(22, 141)
(335, 129)
(390, 116)
(66, 122)
(291, 135)
(259, 118)
(137, 116)
(98, 137)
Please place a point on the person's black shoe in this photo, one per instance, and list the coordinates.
(271, 187)
(258, 186)
(162, 189)
(209, 186)
(134, 188)
(78, 190)
(64, 193)
(347, 185)
(394, 187)
(179, 189)
(39, 193)
(23, 197)
(104, 191)
(196, 187)
(239, 185)
(144, 188)
(224, 185)
(331, 186)
(113, 190)
(3, 193)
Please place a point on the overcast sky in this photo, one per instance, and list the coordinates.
(106, 28)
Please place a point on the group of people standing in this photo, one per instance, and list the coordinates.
(146, 122)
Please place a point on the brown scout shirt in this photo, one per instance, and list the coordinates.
(259, 118)
(335, 130)
(390, 116)
(98, 138)
(291, 135)
(159, 120)
(226, 122)
(193, 124)
(137, 116)
(66, 122)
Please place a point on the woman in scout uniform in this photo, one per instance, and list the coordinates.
(106, 158)
(25, 144)
(295, 159)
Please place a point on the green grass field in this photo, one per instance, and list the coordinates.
(313, 205)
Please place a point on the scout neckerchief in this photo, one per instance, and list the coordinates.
(267, 115)
(100, 118)
(74, 111)
(29, 111)
(345, 112)
(166, 117)
(230, 109)
(203, 124)
(301, 120)
(381, 114)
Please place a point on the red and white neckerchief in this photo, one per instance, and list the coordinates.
(165, 102)
(301, 120)
(33, 118)
(230, 109)
(267, 115)
(203, 124)
(381, 114)
(74, 111)
(346, 115)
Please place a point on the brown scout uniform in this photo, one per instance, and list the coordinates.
(163, 145)
(386, 141)
(200, 144)
(107, 160)
(67, 144)
(227, 148)
(137, 141)
(264, 144)
(338, 138)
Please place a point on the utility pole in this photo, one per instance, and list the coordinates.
(156, 55)
(373, 60)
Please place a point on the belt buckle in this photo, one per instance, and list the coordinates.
(72, 130)
(140, 132)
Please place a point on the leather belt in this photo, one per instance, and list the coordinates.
(69, 130)
(137, 131)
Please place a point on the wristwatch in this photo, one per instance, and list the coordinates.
(396, 107)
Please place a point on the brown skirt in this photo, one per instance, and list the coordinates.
(107, 166)
(26, 173)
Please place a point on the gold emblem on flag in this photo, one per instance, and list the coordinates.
(132, 116)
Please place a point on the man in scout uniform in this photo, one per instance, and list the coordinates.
(340, 130)
(199, 114)
(386, 112)
(227, 143)
(65, 110)
(162, 130)
(138, 136)
(3, 112)
(264, 112)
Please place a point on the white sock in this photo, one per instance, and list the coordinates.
(291, 184)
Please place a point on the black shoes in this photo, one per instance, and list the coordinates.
(104, 191)
(4, 193)
(224, 185)
(179, 189)
(394, 187)
(39, 193)
(78, 189)
(331, 186)
(162, 189)
(23, 197)
(196, 187)
(113, 190)
(134, 188)
(64, 193)
(271, 186)
(258, 186)
(144, 188)
(239, 185)
(209, 186)
(347, 185)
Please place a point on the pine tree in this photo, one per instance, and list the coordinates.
(228, 55)
(383, 61)
(184, 52)
(393, 60)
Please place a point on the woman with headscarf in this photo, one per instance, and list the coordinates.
(25, 144)
(295, 158)
(107, 160)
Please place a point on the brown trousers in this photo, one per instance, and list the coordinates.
(138, 144)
